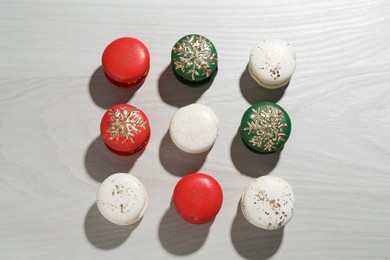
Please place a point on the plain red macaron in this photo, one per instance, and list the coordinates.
(197, 198)
(125, 129)
(126, 62)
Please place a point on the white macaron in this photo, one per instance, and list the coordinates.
(272, 63)
(268, 202)
(194, 128)
(122, 199)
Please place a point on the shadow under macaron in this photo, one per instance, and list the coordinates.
(103, 234)
(178, 162)
(180, 237)
(196, 84)
(251, 163)
(106, 95)
(176, 92)
(100, 162)
(254, 93)
(252, 242)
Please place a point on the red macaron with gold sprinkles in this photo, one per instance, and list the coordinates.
(125, 129)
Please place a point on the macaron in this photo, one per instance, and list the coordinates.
(126, 62)
(197, 198)
(194, 128)
(272, 63)
(122, 199)
(265, 127)
(125, 129)
(194, 60)
(268, 202)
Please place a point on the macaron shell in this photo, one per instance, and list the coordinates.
(194, 128)
(126, 60)
(125, 128)
(130, 84)
(122, 199)
(268, 202)
(198, 198)
(267, 84)
(194, 58)
(265, 127)
(272, 63)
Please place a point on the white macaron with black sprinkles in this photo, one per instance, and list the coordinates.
(122, 199)
(268, 202)
(272, 63)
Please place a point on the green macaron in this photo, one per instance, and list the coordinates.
(265, 127)
(194, 60)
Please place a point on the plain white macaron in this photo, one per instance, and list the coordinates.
(268, 202)
(272, 63)
(194, 128)
(122, 199)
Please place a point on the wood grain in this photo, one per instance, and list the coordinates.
(53, 95)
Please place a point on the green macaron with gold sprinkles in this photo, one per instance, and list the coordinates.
(194, 60)
(265, 127)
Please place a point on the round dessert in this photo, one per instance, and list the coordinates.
(125, 129)
(265, 127)
(122, 199)
(268, 202)
(197, 198)
(272, 63)
(194, 128)
(194, 60)
(126, 62)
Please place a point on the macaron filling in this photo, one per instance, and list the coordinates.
(266, 84)
(130, 84)
(132, 152)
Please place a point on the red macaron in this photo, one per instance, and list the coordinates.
(125, 129)
(126, 62)
(197, 198)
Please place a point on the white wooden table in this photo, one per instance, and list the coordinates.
(53, 95)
